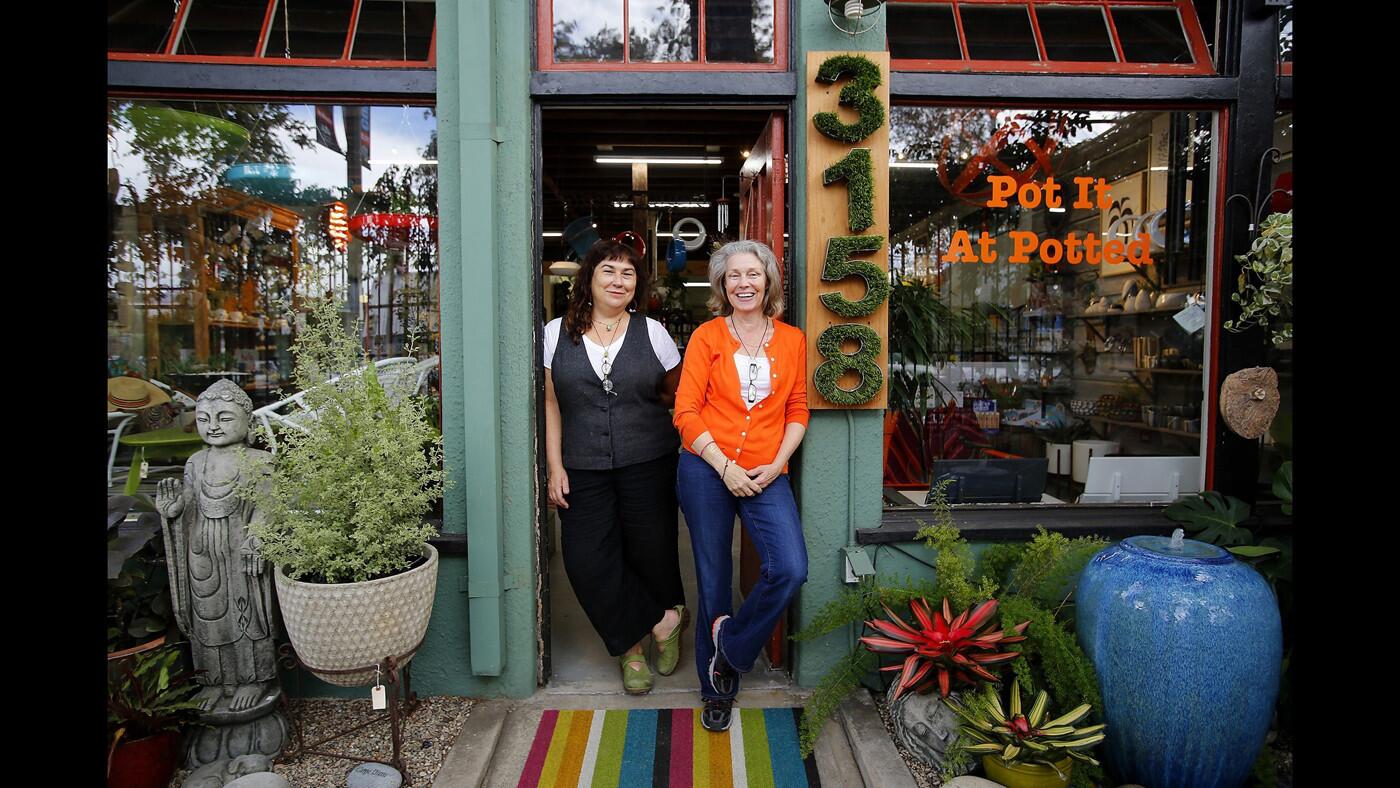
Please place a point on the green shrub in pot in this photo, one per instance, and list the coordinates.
(349, 490)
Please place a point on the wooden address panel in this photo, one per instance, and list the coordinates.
(828, 216)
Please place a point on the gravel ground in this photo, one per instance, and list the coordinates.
(427, 737)
(924, 775)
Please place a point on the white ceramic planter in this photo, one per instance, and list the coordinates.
(339, 626)
(1085, 449)
(1059, 455)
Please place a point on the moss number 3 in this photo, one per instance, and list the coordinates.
(838, 363)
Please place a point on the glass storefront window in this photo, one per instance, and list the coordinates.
(225, 218)
(739, 31)
(309, 28)
(660, 31)
(1019, 323)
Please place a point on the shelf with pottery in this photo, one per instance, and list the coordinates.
(1140, 425)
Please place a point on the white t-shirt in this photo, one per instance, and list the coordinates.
(661, 344)
(763, 378)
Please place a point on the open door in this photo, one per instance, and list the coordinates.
(762, 208)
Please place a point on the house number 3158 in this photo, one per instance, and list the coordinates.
(856, 169)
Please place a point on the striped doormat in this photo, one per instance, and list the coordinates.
(666, 748)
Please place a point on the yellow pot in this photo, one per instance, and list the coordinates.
(1026, 775)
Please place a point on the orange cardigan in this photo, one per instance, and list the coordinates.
(708, 396)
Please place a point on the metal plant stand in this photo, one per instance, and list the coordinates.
(391, 669)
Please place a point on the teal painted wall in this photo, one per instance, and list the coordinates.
(486, 603)
(840, 468)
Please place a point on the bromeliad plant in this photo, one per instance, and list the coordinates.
(949, 648)
(1025, 737)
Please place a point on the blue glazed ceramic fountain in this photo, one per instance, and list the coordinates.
(1187, 645)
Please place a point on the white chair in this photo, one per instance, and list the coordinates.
(117, 422)
(394, 374)
(185, 401)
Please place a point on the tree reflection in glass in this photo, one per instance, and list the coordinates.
(587, 30)
(663, 31)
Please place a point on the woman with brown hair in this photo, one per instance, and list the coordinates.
(610, 378)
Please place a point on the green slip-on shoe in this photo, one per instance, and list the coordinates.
(636, 675)
(668, 651)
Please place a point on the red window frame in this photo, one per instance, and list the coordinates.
(544, 11)
(1191, 25)
(168, 53)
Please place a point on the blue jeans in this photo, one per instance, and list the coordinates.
(771, 521)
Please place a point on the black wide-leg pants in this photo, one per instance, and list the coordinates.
(619, 539)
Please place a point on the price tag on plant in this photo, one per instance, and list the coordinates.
(377, 698)
(1192, 318)
(145, 469)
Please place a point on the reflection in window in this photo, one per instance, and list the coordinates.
(1151, 35)
(220, 232)
(923, 32)
(663, 32)
(995, 360)
(587, 30)
(739, 31)
(1075, 34)
(998, 33)
(309, 28)
(1285, 34)
(388, 30)
(138, 25)
(222, 27)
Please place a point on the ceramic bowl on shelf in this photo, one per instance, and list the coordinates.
(1171, 300)
(1143, 302)
(219, 314)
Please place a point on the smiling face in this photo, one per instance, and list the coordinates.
(745, 283)
(614, 284)
(221, 423)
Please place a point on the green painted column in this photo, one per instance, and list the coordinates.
(482, 638)
(840, 467)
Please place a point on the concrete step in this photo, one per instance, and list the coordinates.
(871, 747)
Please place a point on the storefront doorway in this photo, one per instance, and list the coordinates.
(676, 182)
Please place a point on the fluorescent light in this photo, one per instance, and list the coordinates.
(921, 165)
(1159, 169)
(552, 234)
(405, 162)
(663, 204)
(658, 160)
(1057, 210)
(697, 284)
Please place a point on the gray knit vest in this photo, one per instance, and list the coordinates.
(630, 425)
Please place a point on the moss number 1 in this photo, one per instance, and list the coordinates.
(838, 363)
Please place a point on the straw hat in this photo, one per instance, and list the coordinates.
(128, 393)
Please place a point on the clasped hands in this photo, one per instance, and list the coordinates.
(747, 482)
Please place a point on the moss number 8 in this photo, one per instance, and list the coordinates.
(838, 363)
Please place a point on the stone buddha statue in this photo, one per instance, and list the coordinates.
(221, 587)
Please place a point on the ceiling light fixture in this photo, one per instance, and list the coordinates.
(693, 160)
(552, 234)
(693, 204)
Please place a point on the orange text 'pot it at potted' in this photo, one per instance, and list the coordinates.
(354, 473)
(1023, 749)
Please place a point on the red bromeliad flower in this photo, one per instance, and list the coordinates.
(952, 646)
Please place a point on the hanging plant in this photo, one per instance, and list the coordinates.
(1265, 289)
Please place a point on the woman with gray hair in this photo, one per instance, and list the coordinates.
(741, 409)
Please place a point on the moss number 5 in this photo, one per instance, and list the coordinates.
(839, 362)
(838, 266)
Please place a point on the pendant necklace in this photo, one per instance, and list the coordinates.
(751, 394)
(607, 365)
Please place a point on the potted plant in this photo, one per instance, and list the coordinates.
(148, 703)
(138, 590)
(1059, 441)
(349, 488)
(942, 647)
(1024, 749)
